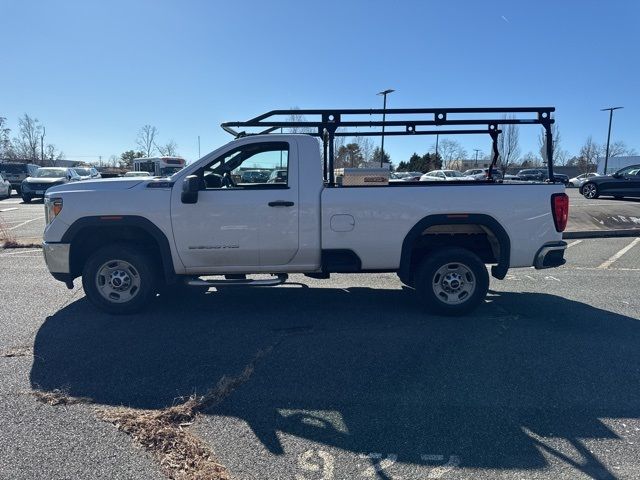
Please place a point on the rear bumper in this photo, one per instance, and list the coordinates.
(56, 256)
(550, 255)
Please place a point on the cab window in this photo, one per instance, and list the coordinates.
(253, 166)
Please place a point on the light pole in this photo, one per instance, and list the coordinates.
(384, 93)
(476, 150)
(606, 155)
(44, 131)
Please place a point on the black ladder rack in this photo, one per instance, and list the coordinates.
(403, 121)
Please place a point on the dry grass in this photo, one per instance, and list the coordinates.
(58, 397)
(18, 244)
(5, 235)
(17, 352)
(163, 433)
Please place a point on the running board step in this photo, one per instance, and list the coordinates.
(239, 282)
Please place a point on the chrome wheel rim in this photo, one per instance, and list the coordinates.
(589, 191)
(117, 281)
(454, 283)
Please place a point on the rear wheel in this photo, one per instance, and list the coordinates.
(590, 190)
(119, 279)
(26, 198)
(452, 281)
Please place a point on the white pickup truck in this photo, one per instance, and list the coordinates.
(130, 239)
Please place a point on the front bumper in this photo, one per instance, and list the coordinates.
(550, 255)
(56, 256)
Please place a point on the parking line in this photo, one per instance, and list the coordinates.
(574, 243)
(607, 263)
(8, 209)
(23, 223)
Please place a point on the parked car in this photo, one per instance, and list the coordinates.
(404, 176)
(580, 179)
(532, 175)
(87, 173)
(444, 175)
(5, 188)
(45, 178)
(15, 173)
(561, 177)
(482, 173)
(412, 176)
(278, 176)
(624, 183)
(254, 176)
(137, 174)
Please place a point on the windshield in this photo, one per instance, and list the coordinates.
(452, 173)
(50, 172)
(85, 172)
(13, 168)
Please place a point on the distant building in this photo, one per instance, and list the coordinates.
(616, 163)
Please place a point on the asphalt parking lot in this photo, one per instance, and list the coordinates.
(355, 380)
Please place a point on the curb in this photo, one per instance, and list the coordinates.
(628, 232)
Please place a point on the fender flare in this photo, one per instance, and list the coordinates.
(499, 271)
(111, 221)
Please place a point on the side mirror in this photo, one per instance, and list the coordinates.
(190, 188)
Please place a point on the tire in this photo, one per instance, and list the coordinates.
(590, 191)
(120, 279)
(452, 281)
(26, 199)
(571, 185)
(18, 191)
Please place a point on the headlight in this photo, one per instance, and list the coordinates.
(52, 207)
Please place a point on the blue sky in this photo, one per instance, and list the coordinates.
(95, 72)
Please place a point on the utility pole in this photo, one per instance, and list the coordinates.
(384, 93)
(198, 147)
(476, 150)
(44, 131)
(606, 156)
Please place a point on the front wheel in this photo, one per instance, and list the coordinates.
(590, 190)
(26, 199)
(452, 281)
(119, 279)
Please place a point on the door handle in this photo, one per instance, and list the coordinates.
(281, 203)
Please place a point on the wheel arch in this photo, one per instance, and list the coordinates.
(489, 224)
(88, 233)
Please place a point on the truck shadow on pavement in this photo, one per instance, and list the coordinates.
(366, 370)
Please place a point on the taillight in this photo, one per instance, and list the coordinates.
(560, 210)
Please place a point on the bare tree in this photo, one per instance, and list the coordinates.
(366, 147)
(530, 160)
(26, 144)
(588, 157)
(450, 152)
(560, 156)
(169, 149)
(617, 149)
(146, 139)
(6, 149)
(509, 145)
(296, 117)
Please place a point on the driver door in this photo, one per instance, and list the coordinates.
(234, 224)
